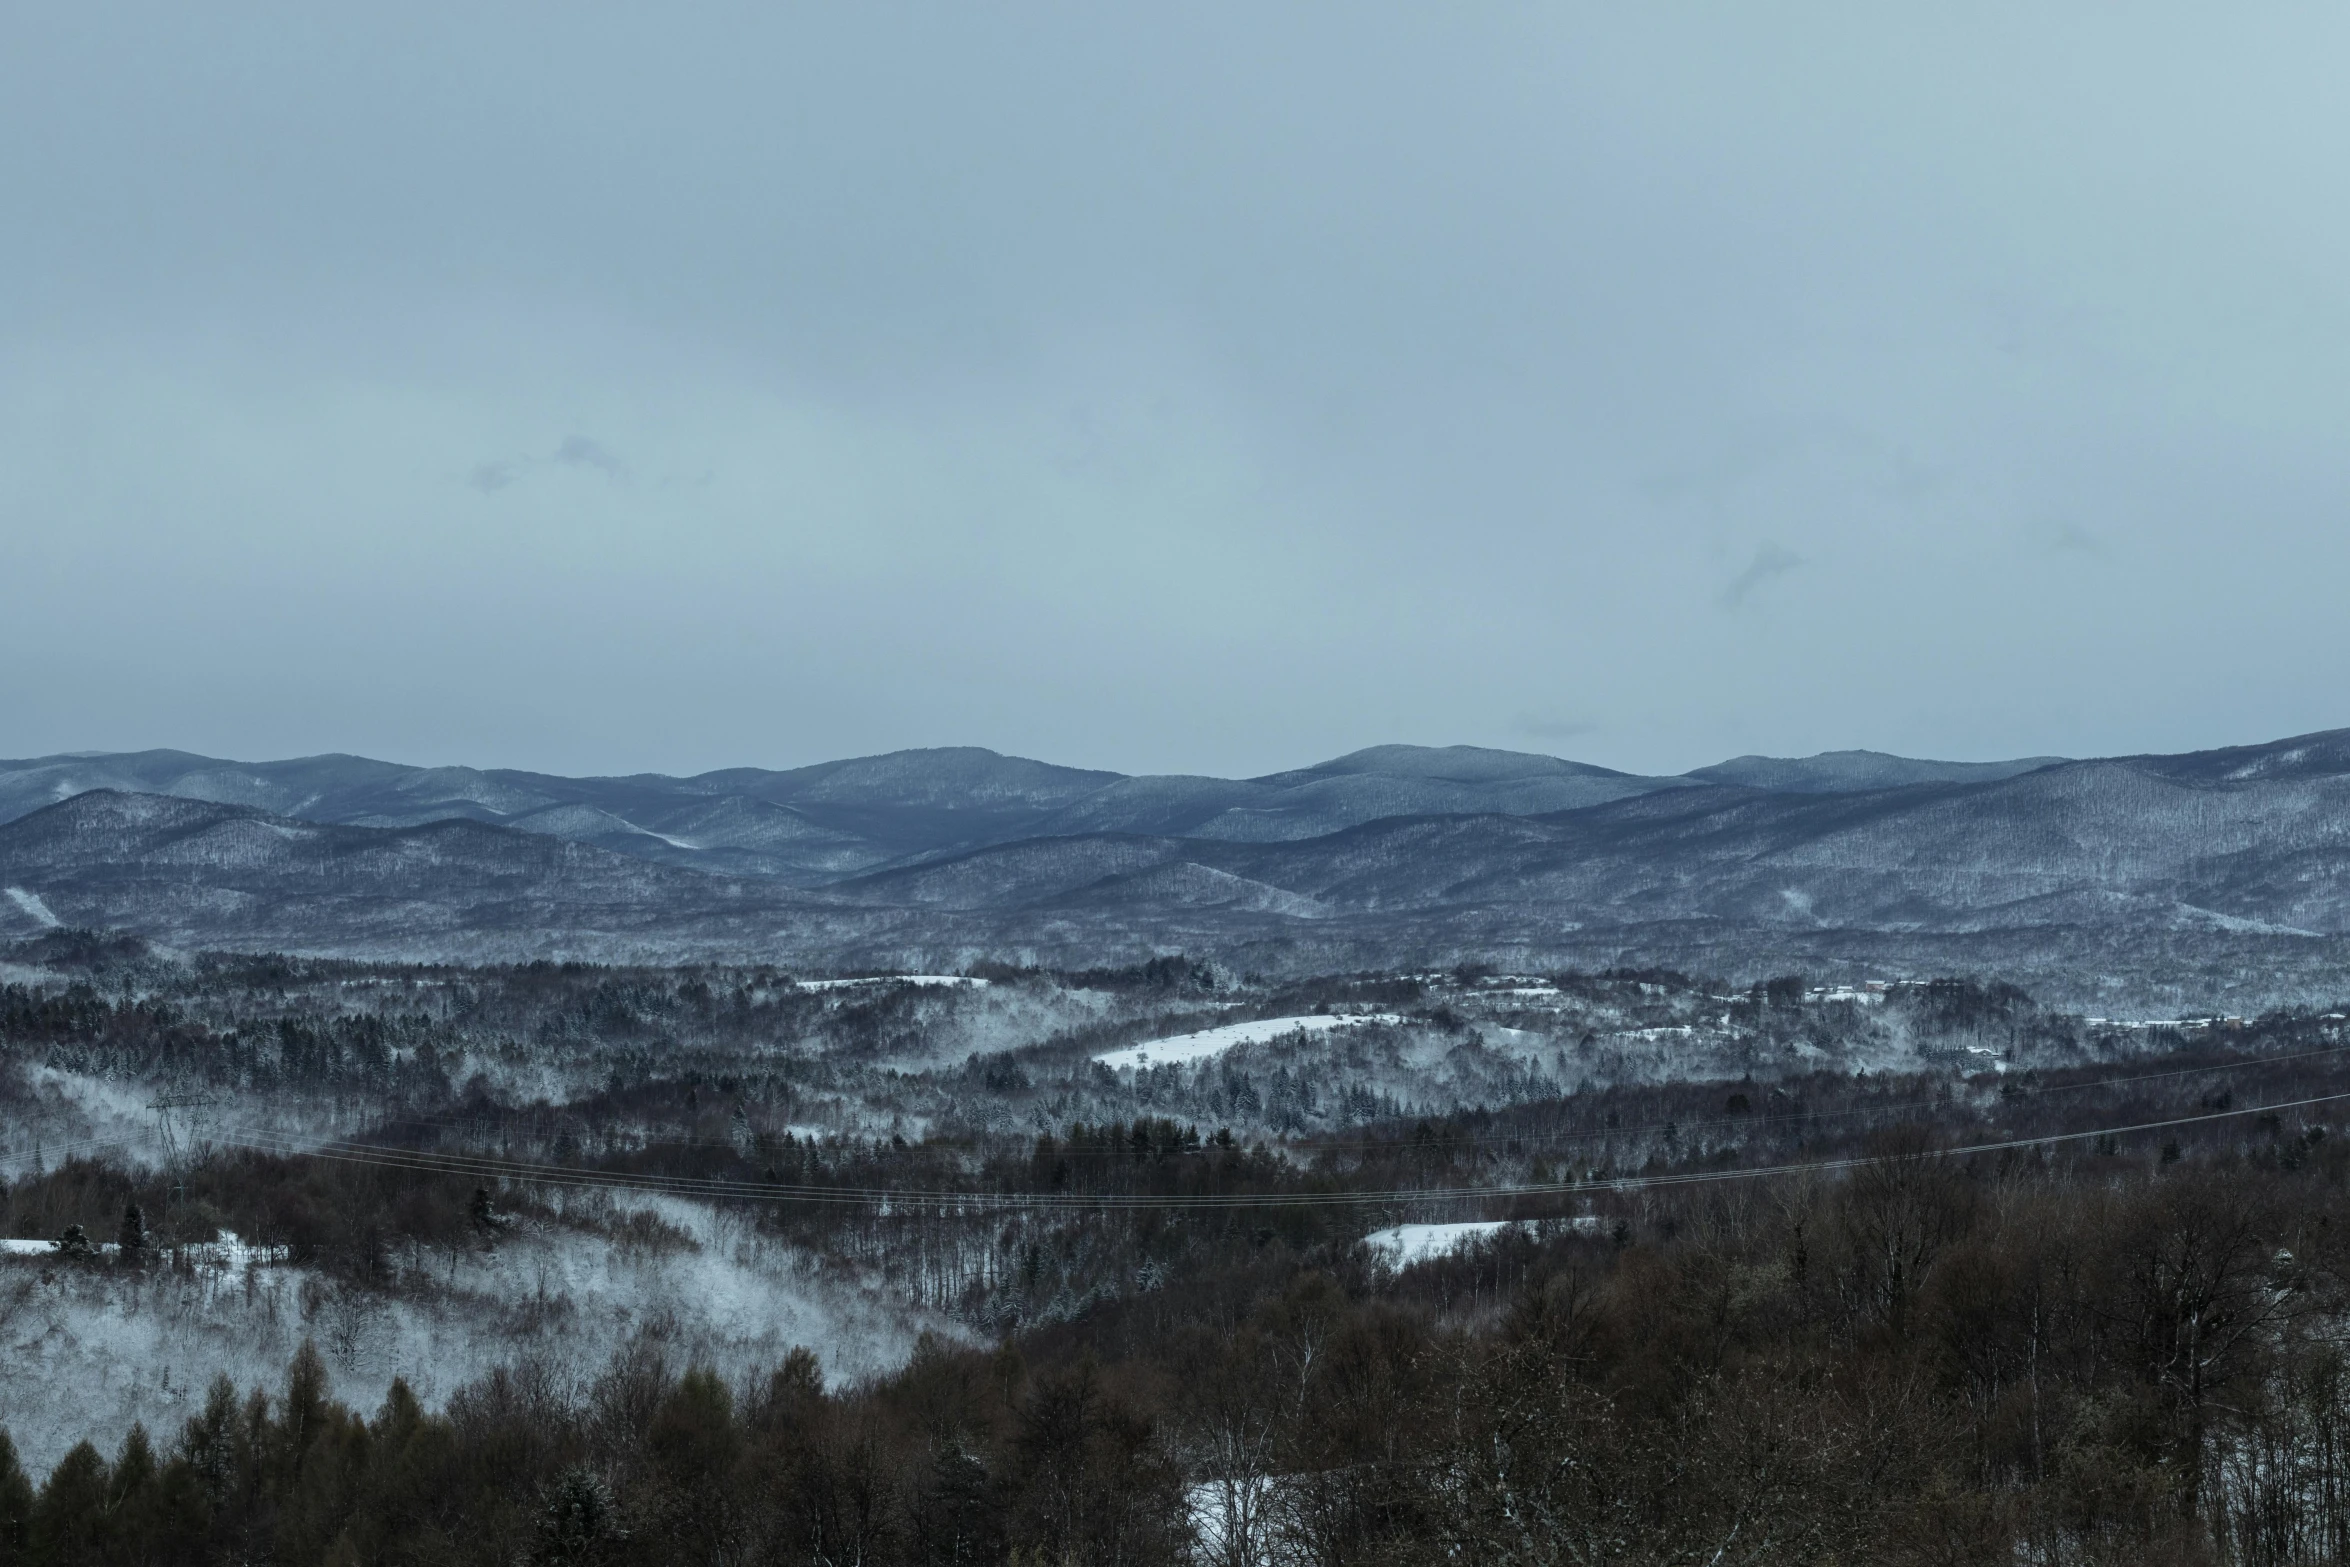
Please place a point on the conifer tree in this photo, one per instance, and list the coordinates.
(69, 1518)
(579, 1523)
(960, 1521)
(132, 1494)
(208, 1444)
(305, 1403)
(16, 1505)
(695, 1444)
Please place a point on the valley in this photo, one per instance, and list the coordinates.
(1012, 1179)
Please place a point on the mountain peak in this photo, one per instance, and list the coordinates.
(1471, 764)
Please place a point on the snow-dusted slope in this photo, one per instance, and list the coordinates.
(1182, 1049)
(2248, 844)
(90, 1350)
(815, 824)
(2159, 842)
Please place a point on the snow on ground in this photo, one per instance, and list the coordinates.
(951, 981)
(85, 1114)
(73, 1113)
(86, 1349)
(228, 1253)
(1230, 1518)
(1215, 1041)
(1405, 1244)
(32, 905)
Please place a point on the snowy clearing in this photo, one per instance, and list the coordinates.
(1406, 1244)
(31, 904)
(953, 981)
(1208, 1042)
(228, 1253)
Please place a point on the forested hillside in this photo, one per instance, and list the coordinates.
(2108, 1355)
(330, 1261)
(2221, 875)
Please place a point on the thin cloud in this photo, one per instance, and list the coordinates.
(579, 451)
(1771, 560)
(2070, 538)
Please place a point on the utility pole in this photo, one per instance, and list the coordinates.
(163, 1105)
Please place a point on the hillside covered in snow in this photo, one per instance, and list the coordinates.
(2209, 870)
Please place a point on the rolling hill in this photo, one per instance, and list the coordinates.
(812, 825)
(2118, 863)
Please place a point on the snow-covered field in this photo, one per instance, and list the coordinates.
(1182, 1048)
(228, 1253)
(950, 981)
(1404, 1244)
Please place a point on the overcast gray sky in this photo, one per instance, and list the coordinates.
(1213, 390)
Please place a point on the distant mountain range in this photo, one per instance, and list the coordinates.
(1398, 853)
(814, 825)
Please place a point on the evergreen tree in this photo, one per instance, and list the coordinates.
(132, 1237)
(579, 1523)
(959, 1522)
(305, 1406)
(16, 1505)
(322, 1453)
(69, 1519)
(695, 1444)
(133, 1492)
(409, 1507)
(208, 1444)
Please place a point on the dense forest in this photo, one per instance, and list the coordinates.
(1927, 1275)
(2122, 1356)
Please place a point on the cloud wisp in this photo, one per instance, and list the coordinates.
(580, 451)
(1771, 561)
(577, 452)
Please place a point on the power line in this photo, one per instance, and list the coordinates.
(2016, 1091)
(482, 1166)
(446, 1121)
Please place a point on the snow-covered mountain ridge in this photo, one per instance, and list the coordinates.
(835, 820)
(2214, 855)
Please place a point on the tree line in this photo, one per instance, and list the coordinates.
(2046, 1356)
